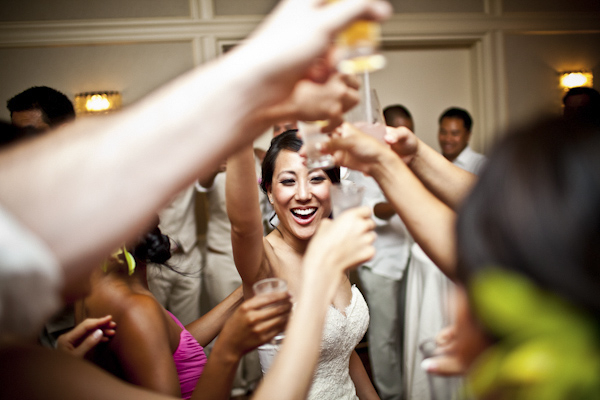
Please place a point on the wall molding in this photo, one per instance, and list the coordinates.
(482, 33)
(82, 32)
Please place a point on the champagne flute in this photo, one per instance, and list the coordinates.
(367, 116)
(357, 47)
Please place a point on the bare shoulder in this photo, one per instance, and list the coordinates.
(141, 311)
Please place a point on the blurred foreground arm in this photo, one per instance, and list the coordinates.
(105, 178)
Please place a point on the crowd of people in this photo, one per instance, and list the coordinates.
(514, 238)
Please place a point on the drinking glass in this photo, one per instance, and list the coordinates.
(313, 138)
(357, 47)
(345, 195)
(271, 285)
(367, 115)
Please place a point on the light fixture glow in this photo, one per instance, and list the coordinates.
(573, 79)
(97, 102)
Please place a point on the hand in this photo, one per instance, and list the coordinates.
(325, 101)
(341, 244)
(255, 322)
(299, 31)
(460, 343)
(354, 149)
(312, 101)
(86, 335)
(403, 141)
(448, 363)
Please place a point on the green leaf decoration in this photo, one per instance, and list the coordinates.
(548, 348)
(130, 261)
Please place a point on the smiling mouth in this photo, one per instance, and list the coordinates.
(304, 213)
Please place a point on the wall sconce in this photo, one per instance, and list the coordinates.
(97, 102)
(573, 79)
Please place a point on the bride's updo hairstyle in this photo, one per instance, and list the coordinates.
(288, 140)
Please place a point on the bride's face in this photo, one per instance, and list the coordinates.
(299, 196)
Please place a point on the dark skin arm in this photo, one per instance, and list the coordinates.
(207, 327)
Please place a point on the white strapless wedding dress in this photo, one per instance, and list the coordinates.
(342, 332)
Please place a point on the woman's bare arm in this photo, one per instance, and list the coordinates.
(430, 221)
(243, 209)
(208, 326)
(445, 180)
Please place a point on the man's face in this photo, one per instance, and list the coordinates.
(31, 120)
(453, 137)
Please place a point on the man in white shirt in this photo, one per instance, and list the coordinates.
(454, 135)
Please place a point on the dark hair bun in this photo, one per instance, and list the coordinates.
(154, 247)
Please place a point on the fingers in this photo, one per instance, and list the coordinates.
(88, 343)
(351, 81)
(319, 71)
(342, 13)
(86, 335)
(267, 299)
(91, 323)
(445, 365)
(88, 325)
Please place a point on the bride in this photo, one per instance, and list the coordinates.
(300, 198)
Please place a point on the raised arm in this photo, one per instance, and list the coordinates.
(92, 172)
(445, 180)
(208, 326)
(428, 219)
(243, 209)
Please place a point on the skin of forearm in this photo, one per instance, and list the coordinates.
(445, 180)
(241, 188)
(207, 327)
(429, 221)
(362, 382)
(217, 378)
(184, 128)
(292, 371)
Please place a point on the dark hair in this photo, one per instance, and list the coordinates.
(288, 140)
(394, 111)
(455, 112)
(536, 210)
(588, 111)
(153, 247)
(56, 108)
